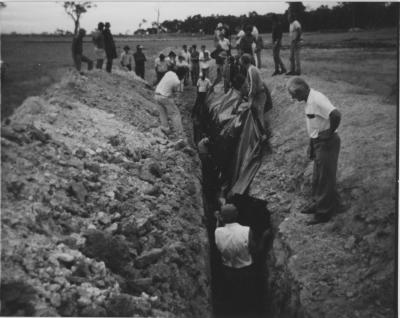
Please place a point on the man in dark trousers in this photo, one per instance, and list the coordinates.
(109, 45)
(277, 43)
(322, 120)
(98, 41)
(195, 69)
(239, 251)
(295, 44)
(140, 59)
(77, 51)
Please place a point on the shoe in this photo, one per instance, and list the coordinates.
(291, 73)
(276, 73)
(282, 72)
(319, 218)
(297, 73)
(309, 210)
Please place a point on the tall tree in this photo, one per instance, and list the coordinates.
(75, 10)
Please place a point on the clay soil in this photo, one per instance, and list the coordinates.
(101, 212)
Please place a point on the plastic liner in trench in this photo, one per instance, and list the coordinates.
(236, 149)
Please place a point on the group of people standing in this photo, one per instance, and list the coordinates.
(105, 49)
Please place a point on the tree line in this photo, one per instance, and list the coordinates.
(344, 15)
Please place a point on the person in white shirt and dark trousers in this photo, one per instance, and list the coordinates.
(322, 120)
(126, 58)
(238, 250)
(164, 95)
(295, 40)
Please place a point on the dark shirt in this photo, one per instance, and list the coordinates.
(109, 44)
(139, 58)
(277, 32)
(246, 44)
(194, 57)
(77, 45)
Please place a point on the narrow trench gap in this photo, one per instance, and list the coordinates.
(254, 213)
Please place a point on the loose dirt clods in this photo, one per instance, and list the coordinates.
(101, 215)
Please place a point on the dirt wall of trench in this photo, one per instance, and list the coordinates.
(346, 267)
(101, 212)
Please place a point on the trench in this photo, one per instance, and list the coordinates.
(253, 213)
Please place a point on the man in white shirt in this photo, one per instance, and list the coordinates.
(238, 251)
(182, 69)
(164, 95)
(295, 38)
(186, 54)
(205, 59)
(322, 120)
(126, 58)
(224, 43)
(234, 242)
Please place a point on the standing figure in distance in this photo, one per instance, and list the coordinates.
(276, 45)
(161, 67)
(295, 39)
(98, 41)
(204, 58)
(126, 58)
(77, 51)
(140, 59)
(195, 69)
(111, 52)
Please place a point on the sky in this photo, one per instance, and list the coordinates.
(31, 16)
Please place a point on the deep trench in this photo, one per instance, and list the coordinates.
(254, 213)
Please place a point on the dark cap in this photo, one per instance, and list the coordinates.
(229, 213)
(126, 47)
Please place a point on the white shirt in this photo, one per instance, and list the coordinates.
(168, 84)
(203, 85)
(126, 59)
(318, 107)
(224, 44)
(232, 241)
(294, 27)
(203, 62)
(186, 55)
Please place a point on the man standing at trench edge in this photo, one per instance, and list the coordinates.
(322, 120)
(164, 95)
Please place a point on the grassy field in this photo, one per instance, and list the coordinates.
(366, 58)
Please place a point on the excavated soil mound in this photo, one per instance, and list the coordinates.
(101, 212)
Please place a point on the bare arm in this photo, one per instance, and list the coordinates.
(334, 121)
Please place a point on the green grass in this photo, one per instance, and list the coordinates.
(34, 63)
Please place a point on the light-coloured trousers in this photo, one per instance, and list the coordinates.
(295, 57)
(168, 109)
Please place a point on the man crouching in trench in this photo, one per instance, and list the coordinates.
(322, 120)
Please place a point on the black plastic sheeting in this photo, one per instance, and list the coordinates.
(236, 138)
